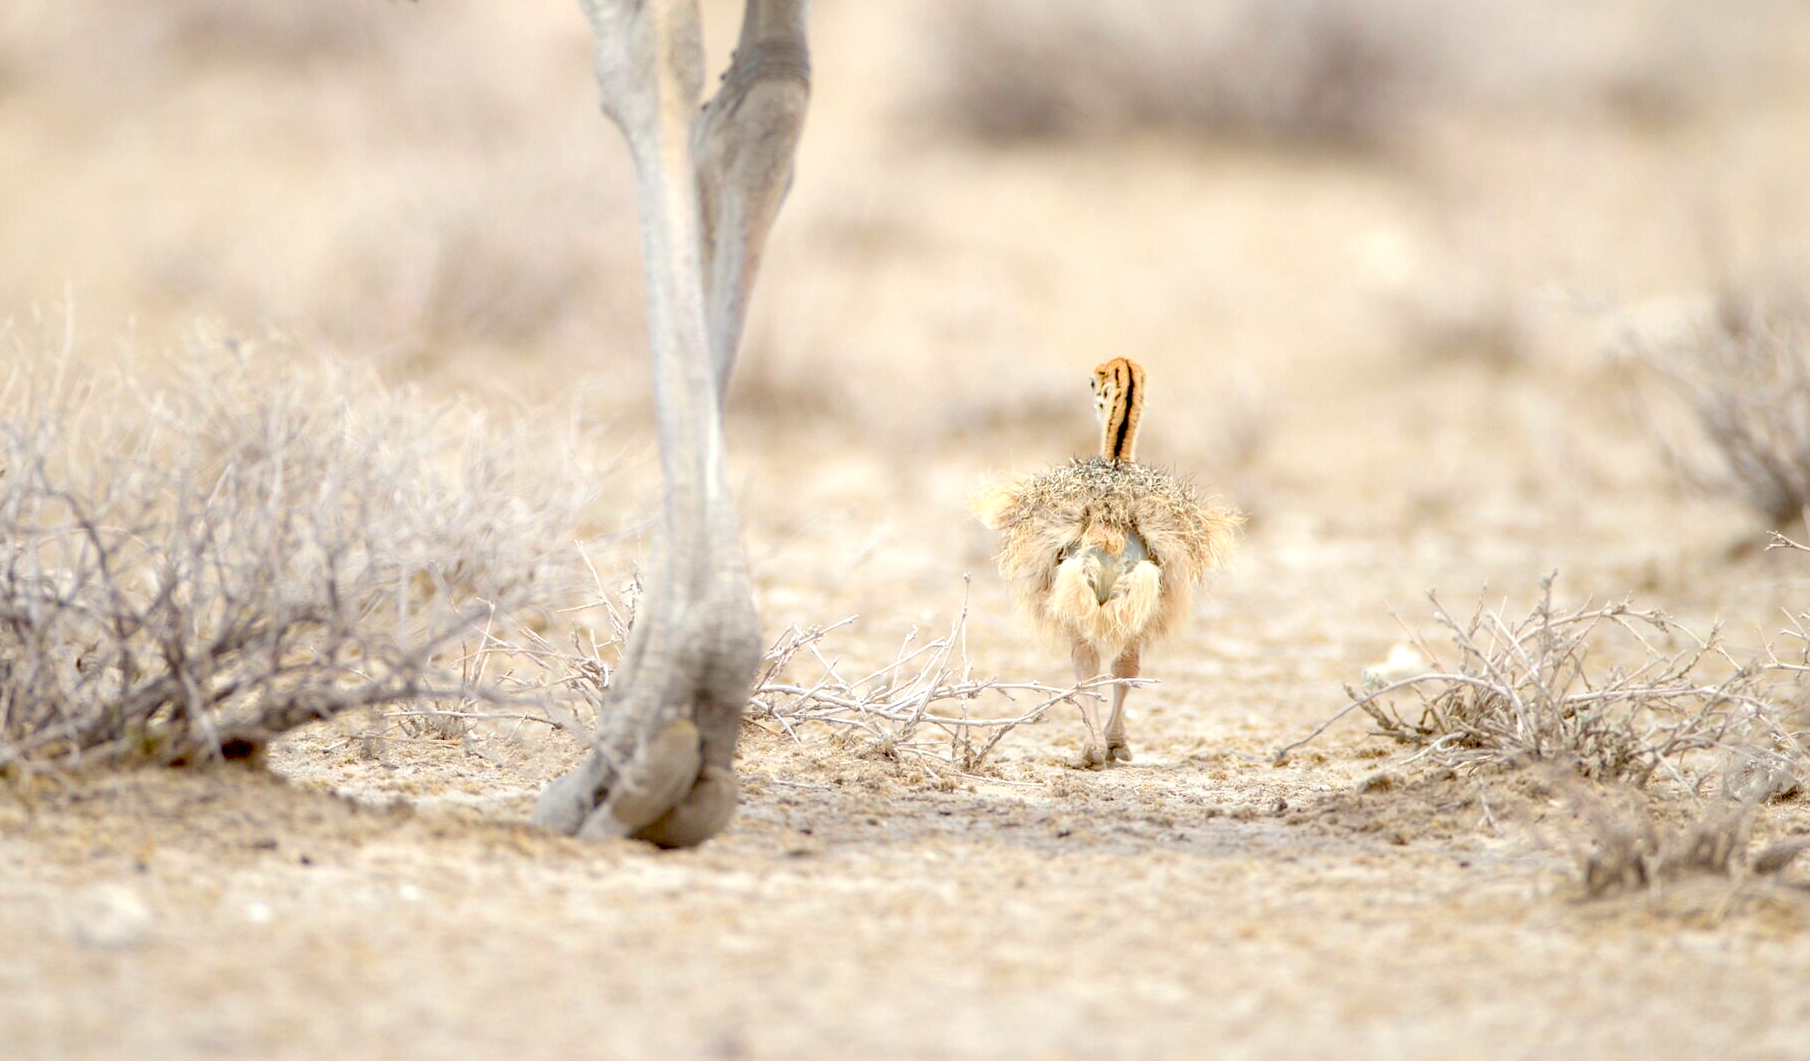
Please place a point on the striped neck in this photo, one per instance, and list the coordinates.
(1119, 399)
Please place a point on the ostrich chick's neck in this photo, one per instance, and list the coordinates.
(1119, 390)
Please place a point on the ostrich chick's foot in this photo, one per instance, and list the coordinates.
(1117, 750)
(1093, 757)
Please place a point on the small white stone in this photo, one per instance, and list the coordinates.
(410, 893)
(109, 915)
(1404, 661)
(259, 913)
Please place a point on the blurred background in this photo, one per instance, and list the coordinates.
(1442, 293)
(1378, 255)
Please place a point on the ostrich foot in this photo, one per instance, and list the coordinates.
(1093, 757)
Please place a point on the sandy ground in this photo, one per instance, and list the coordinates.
(1322, 324)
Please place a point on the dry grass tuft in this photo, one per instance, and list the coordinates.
(157, 45)
(263, 31)
(442, 219)
(191, 569)
(500, 252)
(1745, 374)
(1608, 692)
(1623, 845)
(1774, 763)
(1325, 72)
(1296, 70)
(920, 706)
(276, 32)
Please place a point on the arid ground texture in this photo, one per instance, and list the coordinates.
(1408, 338)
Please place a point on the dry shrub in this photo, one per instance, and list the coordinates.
(921, 705)
(499, 251)
(1474, 306)
(1609, 692)
(181, 33)
(1623, 844)
(1492, 333)
(263, 31)
(1339, 72)
(1745, 375)
(372, 175)
(1774, 762)
(194, 567)
(153, 47)
(1292, 70)
(925, 707)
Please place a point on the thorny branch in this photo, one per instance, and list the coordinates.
(1744, 377)
(928, 686)
(1595, 688)
(922, 705)
(188, 572)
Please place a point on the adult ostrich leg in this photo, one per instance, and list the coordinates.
(711, 182)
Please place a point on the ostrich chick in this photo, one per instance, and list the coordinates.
(1104, 553)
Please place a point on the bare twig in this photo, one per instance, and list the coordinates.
(1744, 376)
(1621, 847)
(892, 703)
(1610, 691)
(189, 571)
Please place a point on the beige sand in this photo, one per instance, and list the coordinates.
(929, 314)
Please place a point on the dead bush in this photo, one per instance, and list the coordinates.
(265, 30)
(1621, 843)
(1335, 72)
(921, 705)
(924, 707)
(500, 252)
(268, 32)
(1745, 376)
(1292, 70)
(190, 568)
(1774, 762)
(1609, 692)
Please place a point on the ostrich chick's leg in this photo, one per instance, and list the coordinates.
(1087, 665)
(1126, 666)
(710, 183)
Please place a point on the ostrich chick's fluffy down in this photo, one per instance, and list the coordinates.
(1105, 552)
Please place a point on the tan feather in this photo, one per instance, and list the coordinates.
(1061, 517)
(1104, 554)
